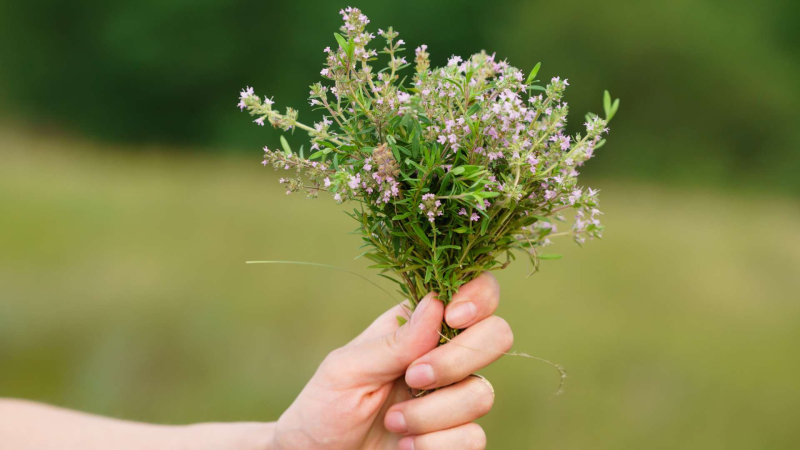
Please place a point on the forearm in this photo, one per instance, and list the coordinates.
(26, 425)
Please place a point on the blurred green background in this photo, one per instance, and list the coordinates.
(131, 194)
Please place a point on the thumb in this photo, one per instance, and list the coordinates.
(386, 358)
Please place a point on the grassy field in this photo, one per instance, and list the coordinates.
(123, 291)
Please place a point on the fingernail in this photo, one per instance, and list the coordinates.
(406, 444)
(461, 314)
(396, 422)
(420, 376)
(419, 311)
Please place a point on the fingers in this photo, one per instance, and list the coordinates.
(474, 302)
(382, 359)
(464, 437)
(474, 348)
(446, 408)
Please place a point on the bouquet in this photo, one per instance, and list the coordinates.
(453, 170)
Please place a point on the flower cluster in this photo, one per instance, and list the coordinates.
(453, 171)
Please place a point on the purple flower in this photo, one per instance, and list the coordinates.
(462, 212)
(565, 142)
(259, 121)
(475, 217)
(354, 181)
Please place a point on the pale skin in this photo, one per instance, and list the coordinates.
(359, 398)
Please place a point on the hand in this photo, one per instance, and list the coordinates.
(359, 398)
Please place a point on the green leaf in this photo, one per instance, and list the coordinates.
(457, 170)
(341, 40)
(607, 103)
(401, 216)
(286, 148)
(614, 108)
(533, 73)
(550, 256)
(421, 234)
(401, 321)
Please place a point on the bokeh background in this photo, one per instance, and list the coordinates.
(131, 193)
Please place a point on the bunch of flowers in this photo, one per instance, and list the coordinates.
(453, 169)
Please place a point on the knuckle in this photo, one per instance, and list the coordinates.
(484, 396)
(475, 437)
(503, 333)
(332, 360)
(334, 356)
(390, 340)
(494, 284)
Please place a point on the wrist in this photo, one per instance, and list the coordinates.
(228, 436)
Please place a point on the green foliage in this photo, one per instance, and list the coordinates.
(453, 173)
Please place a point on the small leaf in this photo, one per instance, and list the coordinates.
(457, 170)
(551, 256)
(614, 108)
(533, 73)
(341, 40)
(286, 148)
(607, 103)
(421, 234)
(401, 320)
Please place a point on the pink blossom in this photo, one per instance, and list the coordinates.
(475, 217)
(259, 121)
(354, 181)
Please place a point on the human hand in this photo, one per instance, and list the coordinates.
(359, 398)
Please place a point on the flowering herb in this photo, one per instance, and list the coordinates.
(453, 171)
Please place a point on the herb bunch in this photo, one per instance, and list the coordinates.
(454, 171)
